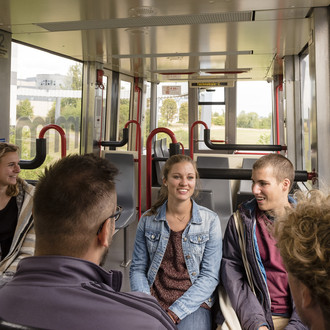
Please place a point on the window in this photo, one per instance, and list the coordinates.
(254, 112)
(145, 129)
(172, 110)
(306, 104)
(125, 91)
(45, 89)
(211, 110)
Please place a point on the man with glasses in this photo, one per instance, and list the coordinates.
(63, 286)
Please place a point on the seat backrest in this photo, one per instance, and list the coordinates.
(221, 189)
(125, 186)
(163, 145)
(205, 198)
(158, 152)
(212, 162)
(245, 185)
(244, 189)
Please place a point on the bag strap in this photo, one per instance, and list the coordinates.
(241, 239)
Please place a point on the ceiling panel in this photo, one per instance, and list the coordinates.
(142, 38)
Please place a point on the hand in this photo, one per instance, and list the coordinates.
(263, 328)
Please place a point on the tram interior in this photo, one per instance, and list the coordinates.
(207, 44)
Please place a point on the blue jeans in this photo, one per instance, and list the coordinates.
(201, 319)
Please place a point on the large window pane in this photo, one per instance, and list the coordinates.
(211, 110)
(145, 129)
(45, 89)
(124, 109)
(254, 112)
(172, 110)
(306, 104)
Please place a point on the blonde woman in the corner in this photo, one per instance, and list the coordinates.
(17, 238)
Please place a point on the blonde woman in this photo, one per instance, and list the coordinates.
(16, 224)
(178, 249)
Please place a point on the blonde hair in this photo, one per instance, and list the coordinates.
(303, 236)
(163, 193)
(12, 190)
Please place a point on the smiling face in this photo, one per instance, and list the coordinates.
(9, 169)
(270, 194)
(181, 181)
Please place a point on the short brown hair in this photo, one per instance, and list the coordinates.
(67, 201)
(303, 236)
(282, 167)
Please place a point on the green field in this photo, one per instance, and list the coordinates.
(244, 135)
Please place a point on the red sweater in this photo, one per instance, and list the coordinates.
(277, 278)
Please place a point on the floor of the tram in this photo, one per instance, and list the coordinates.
(116, 253)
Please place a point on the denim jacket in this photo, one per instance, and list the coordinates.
(202, 249)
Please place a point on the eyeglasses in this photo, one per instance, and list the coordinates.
(116, 216)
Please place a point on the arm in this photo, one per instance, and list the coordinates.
(25, 248)
(23, 243)
(295, 322)
(248, 309)
(140, 261)
(208, 278)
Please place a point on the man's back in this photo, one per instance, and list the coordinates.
(55, 292)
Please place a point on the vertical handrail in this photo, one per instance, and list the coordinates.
(191, 143)
(149, 174)
(138, 90)
(278, 88)
(62, 134)
(138, 137)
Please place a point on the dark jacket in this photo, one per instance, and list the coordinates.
(55, 292)
(253, 311)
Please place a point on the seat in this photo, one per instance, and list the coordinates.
(244, 192)
(205, 198)
(159, 164)
(125, 186)
(221, 189)
(126, 194)
(164, 148)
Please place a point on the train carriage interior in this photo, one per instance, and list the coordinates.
(223, 81)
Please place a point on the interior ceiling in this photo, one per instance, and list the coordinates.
(162, 40)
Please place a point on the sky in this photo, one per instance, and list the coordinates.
(29, 62)
(254, 96)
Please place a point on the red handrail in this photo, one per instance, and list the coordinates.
(62, 133)
(138, 137)
(182, 147)
(191, 140)
(149, 174)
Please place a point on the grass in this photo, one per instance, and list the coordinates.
(244, 135)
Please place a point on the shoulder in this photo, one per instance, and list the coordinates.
(150, 220)
(208, 216)
(203, 211)
(26, 187)
(205, 219)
